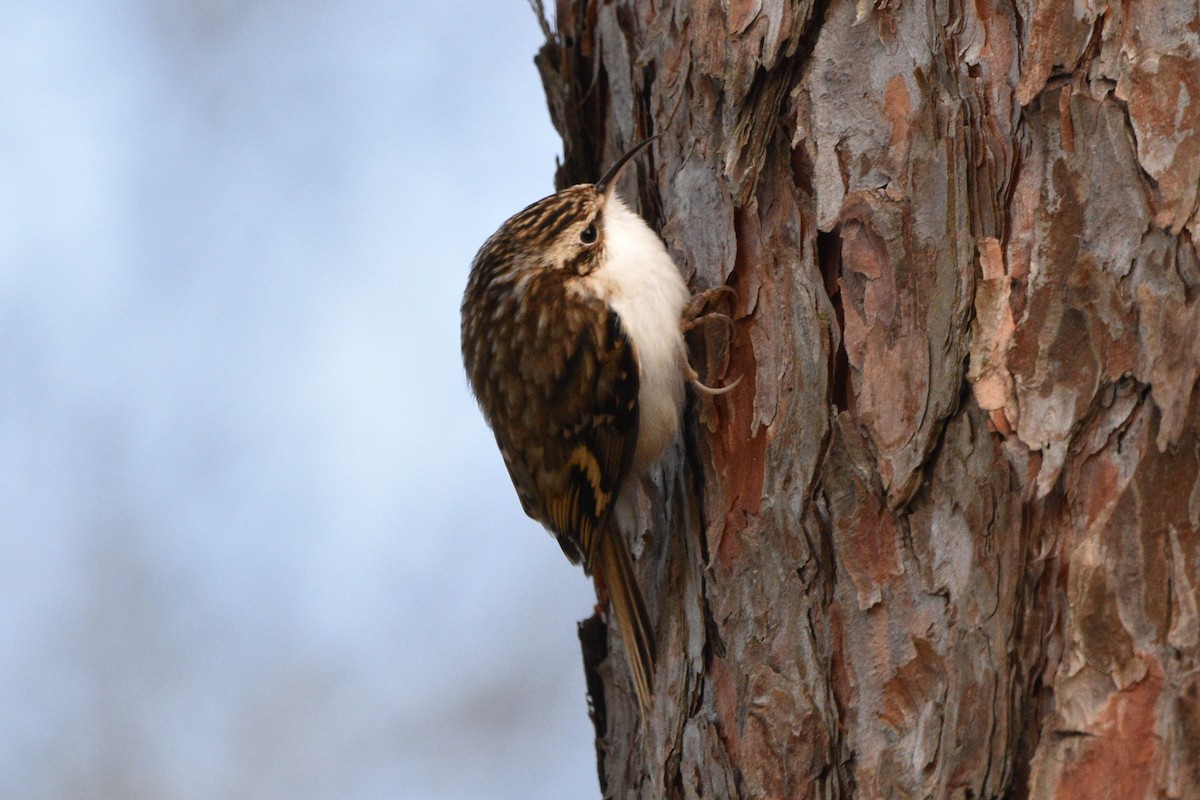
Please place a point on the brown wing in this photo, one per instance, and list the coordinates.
(566, 420)
(573, 444)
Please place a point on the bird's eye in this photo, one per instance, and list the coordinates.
(588, 236)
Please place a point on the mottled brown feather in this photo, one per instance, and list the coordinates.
(557, 379)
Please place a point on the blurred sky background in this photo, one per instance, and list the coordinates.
(255, 540)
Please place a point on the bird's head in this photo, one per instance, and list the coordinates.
(565, 231)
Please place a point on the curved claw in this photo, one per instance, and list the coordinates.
(708, 294)
(711, 391)
(702, 299)
(691, 324)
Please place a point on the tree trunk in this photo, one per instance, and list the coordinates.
(941, 542)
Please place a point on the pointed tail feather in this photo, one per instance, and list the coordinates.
(615, 568)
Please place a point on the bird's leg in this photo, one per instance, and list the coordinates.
(693, 318)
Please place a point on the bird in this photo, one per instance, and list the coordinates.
(572, 336)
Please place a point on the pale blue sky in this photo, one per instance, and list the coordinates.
(255, 540)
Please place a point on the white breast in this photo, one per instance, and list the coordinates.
(643, 285)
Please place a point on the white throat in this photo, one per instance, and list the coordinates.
(642, 284)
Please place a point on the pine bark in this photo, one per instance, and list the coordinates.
(941, 542)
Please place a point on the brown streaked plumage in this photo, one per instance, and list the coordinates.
(572, 340)
(580, 401)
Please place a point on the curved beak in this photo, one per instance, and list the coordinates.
(608, 182)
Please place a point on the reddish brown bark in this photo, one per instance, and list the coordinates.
(942, 540)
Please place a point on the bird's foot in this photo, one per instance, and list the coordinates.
(694, 318)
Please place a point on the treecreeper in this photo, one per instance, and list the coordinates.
(573, 325)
